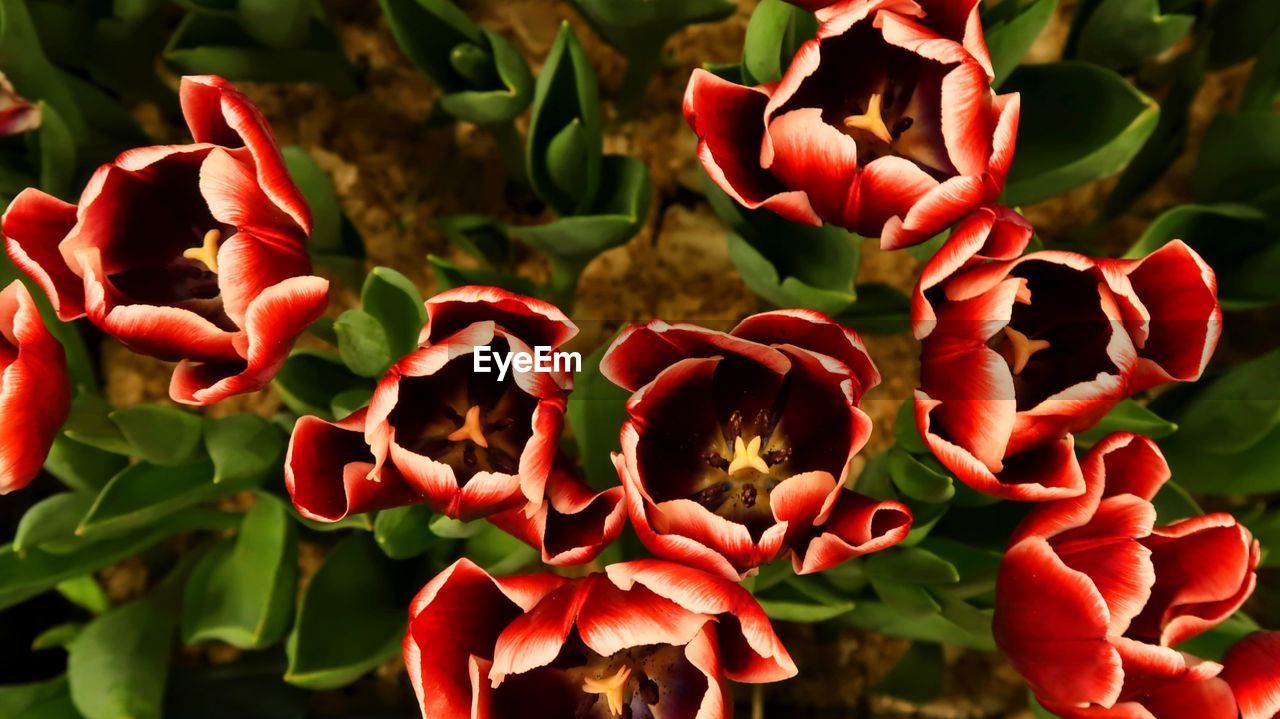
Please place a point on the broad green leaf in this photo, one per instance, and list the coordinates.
(90, 423)
(310, 379)
(802, 599)
(347, 403)
(51, 523)
(244, 448)
(449, 275)
(44, 700)
(977, 567)
(80, 466)
(804, 612)
(497, 552)
(1128, 416)
(39, 571)
(363, 343)
(143, 493)
(326, 211)
(28, 68)
(205, 44)
(118, 665)
(1236, 411)
(404, 532)
(887, 618)
(1080, 123)
(1239, 160)
(59, 635)
(596, 410)
(775, 32)
(394, 301)
(917, 677)
(242, 591)
(1173, 503)
(160, 434)
(639, 26)
(911, 565)
(85, 592)
(1011, 28)
(566, 93)
(879, 310)
(908, 599)
(1255, 470)
(1122, 34)
(920, 478)
(1239, 29)
(276, 23)
(350, 618)
(490, 108)
(906, 433)
(429, 31)
(450, 528)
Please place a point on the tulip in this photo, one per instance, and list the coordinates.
(1252, 669)
(17, 114)
(1018, 354)
(35, 395)
(189, 253)
(467, 444)
(1092, 597)
(884, 124)
(738, 444)
(643, 639)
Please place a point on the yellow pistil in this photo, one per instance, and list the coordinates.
(747, 455)
(871, 121)
(207, 252)
(613, 687)
(470, 428)
(1020, 349)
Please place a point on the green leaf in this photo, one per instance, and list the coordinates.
(350, 618)
(1240, 158)
(346, 403)
(802, 599)
(450, 528)
(1236, 410)
(917, 677)
(275, 23)
(43, 700)
(310, 379)
(51, 523)
(85, 592)
(638, 26)
(206, 44)
(327, 236)
(497, 552)
(776, 30)
(160, 434)
(920, 478)
(449, 275)
(482, 237)
(1173, 503)
(908, 599)
(363, 343)
(906, 433)
(1128, 416)
(395, 302)
(1263, 87)
(28, 68)
(891, 619)
(1080, 123)
(879, 310)
(1122, 34)
(911, 565)
(80, 466)
(596, 410)
(568, 156)
(1255, 470)
(1214, 643)
(488, 108)
(404, 532)
(90, 423)
(977, 567)
(566, 93)
(59, 635)
(39, 571)
(1239, 29)
(1267, 529)
(623, 205)
(1011, 28)
(243, 589)
(118, 665)
(245, 448)
(57, 152)
(143, 493)
(428, 31)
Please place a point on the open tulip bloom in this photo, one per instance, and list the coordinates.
(35, 395)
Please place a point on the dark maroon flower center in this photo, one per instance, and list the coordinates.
(1058, 333)
(890, 106)
(470, 421)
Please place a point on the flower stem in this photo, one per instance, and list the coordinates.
(641, 66)
(562, 287)
(511, 145)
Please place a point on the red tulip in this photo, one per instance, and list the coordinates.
(1092, 597)
(1252, 668)
(191, 253)
(885, 124)
(35, 395)
(738, 445)
(17, 114)
(467, 444)
(644, 639)
(1020, 353)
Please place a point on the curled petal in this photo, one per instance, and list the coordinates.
(572, 525)
(816, 332)
(35, 395)
(533, 321)
(35, 224)
(856, 526)
(940, 208)
(641, 353)
(1252, 669)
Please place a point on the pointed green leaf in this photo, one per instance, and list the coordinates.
(118, 665)
(85, 592)
(911, 565)
(917, 677)
(1011, 28)
(566, 92)
(51, 523)
(1122, 34)
(310, 379)
(244, 448)
(776, 30)
(920, 478)
(363, 343)
(1129, 416)
(395, 302)
(143, 493)
(59, 635)
(80, 466)
(160, 434)
(404, 532)
(449, 275)
(596, 410)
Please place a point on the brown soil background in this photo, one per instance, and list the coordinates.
(395, 175)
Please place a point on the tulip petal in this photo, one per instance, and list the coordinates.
(856, 526)
(937, 210)
(816, 332)
(35, 223)
(1252, 668)
(535, 322)
(35, 395)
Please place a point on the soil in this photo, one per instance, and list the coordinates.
(396, 173)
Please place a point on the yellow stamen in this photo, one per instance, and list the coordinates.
(1020, 348)
(747, 455)
(470, 428)
(871, 121)
(207, 252)
(613, 687)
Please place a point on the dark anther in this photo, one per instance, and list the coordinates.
(777, 456)
(501, 425)
(902, 125)
(469, 455)
(749, 494)
(762, 423)
(711, 497)
(715, 460)
(733, 429)
(649, 691)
